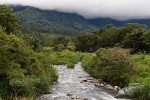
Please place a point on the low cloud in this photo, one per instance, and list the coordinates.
(116, 9)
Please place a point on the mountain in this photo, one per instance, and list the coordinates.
(46, 21)
(54, 22)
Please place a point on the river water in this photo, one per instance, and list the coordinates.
(72, 85)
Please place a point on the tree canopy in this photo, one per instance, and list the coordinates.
(8, 20)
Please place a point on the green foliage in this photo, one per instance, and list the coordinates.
(52, 22)
(65, 57)
(142, 93)
(8, 20)
(86, 42)
(59, 43)
(32, 40)
(138, 40)
(110, 65)
(132, 36)
(143, 69)
(23, 72)
(110, 36)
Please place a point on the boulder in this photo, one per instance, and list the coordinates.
(128, 91)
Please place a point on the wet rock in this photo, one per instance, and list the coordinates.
(69, 94)
(81, 82)
(77, 97)
(116, 88)
(109, 87)
(73, 97)
(84, 81)
(85, 99)
(98, 85)
(127, 91)
(102, 85)
(48, 92)
(90, 78)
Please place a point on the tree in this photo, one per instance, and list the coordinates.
(87, 42)
(8, 20)
(137, 40)
(23, 72)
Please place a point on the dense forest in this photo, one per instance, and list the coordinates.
(116, 55)
(55, 22)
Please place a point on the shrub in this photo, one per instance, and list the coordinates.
(111, 65)
(143, 69)
(23, 72)
(65, 57)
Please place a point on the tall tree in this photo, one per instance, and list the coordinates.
(8, 20)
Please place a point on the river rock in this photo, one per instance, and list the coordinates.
(102, 85)
(128, 91)
(73, 97)
(85, 99)
(47, 92)
(84, 80)
(109, 87)
(116, 88)
(98, 85)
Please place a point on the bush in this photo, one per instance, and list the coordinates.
(87, 42)
(143, 69)
(110, 65)
(65, 57)
(23, 72)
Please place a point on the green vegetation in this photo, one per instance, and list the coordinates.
(143, 67)
(8, 20)
(142, 93)
(117, 67)
(110, 65)
(86, 42)
(52, 22)
(66, 57)
(110, 53)
(23, 71)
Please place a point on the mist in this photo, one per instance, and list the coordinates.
(115, 9)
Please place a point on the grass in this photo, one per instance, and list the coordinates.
(143, 68)
(65, 57)
(142, 76)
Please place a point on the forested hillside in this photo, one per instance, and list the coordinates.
(52, 22)
(55, 22)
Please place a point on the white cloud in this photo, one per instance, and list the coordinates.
(116, 9)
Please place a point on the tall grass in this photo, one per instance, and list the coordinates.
(65, 57)
(143, 76)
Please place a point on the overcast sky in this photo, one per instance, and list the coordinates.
(116, 9)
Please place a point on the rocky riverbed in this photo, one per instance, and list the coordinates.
(76, 84)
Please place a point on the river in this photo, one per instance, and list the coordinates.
(72, 84)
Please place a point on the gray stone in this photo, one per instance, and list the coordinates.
(128, 91)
